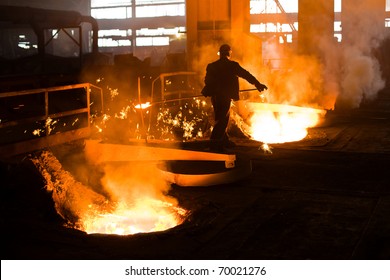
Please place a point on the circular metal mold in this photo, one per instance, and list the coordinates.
(204, 173)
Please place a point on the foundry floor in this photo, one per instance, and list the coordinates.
(326, 197)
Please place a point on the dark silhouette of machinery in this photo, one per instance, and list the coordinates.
(41, 48)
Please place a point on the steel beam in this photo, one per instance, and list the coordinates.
(99, 152)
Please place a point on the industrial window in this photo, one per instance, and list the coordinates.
(152, 41)
(122, 9)
(18, 42)
(258, 7)
(109, 3)
(114, 32)
(111, 9)
(284, 29)
(132, 9)
(64, 42)
(159, 31)
(272, 6)
(114, 38)
(111, 13)
(25, 44)
(271, 27)
(160, 10)
(148, 2)
(110, 42)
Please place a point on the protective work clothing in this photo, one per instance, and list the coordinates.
(222, 85)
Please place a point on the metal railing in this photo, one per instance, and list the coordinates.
(38, 118)
(165, 93)
(171, 90)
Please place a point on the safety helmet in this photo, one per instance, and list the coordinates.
(224, 50)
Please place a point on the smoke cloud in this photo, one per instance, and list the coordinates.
(132, 197)
(361, 76)
(346, 73)
(128, 182)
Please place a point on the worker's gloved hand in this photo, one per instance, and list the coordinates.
(260, 87)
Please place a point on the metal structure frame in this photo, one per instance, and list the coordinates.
(166, 97)
(162, 95)
(23, 146)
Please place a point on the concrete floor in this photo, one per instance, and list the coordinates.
(326, 197)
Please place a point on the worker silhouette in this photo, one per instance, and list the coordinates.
(221, 84)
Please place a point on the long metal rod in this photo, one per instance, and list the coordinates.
(42, 90)
(251, 89)
(189, 97)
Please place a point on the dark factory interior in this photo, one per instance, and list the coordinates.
(104, 131)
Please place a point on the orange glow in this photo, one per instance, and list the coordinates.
(135, 198)
(138, 202)
(266, 148)
(143, 105)
(144, 215)
(278, 123)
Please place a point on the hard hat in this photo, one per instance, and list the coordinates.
(225, 48)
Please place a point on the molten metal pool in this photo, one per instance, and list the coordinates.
(131, 198)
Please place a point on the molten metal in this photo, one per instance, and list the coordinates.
(143, 105)
(144, 215)
(136, 201)
(279, 123)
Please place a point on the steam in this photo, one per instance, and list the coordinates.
(362, 78)
(345, 73)
(127, 182)
(348, 73)
(132, 197)
(361, 75)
